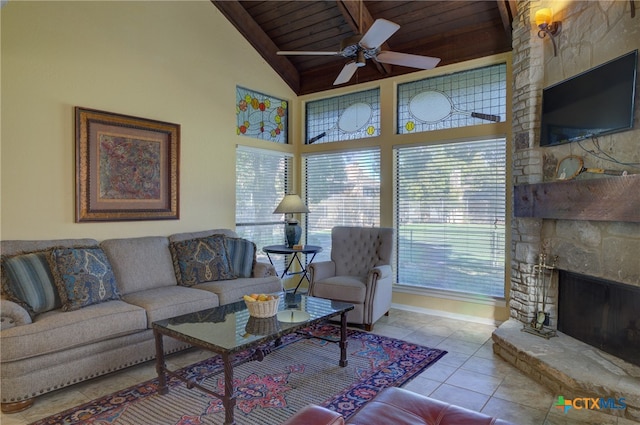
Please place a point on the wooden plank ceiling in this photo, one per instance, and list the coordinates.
(453, 31)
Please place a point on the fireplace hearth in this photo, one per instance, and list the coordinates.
(570, 368)
(601, 313)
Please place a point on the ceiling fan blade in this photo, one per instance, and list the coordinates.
(307, 53)
(378, 33)
(405, 59)
(347, 72)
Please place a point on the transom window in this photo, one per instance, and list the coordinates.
(455, 100)
(261, 116)
(347, 117)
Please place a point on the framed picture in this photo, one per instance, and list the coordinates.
(127, 168)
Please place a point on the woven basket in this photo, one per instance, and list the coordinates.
(262, 325)
(263, 308)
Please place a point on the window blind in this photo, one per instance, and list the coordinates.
(341, 189)
(262, 178)
(450, 214)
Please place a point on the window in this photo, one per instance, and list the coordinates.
(261, 183)
(347, 117)
(460, 99)
(450, 215)
(261, 116)
(342, 189)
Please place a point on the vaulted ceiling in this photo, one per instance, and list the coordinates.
(453, 31)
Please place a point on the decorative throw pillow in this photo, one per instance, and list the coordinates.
(83, 276)
(27, 280)
(201, 260)
(242, 254)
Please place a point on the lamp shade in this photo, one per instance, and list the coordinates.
(291, 204)
(543, 16)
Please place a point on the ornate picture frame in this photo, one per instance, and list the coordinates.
(127, 168)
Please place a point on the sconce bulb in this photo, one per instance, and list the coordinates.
(543, 18)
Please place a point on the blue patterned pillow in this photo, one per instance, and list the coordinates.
(83, 276)
(27, 280)
(242, 254)
(201, 260)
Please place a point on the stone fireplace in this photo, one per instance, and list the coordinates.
(588, 233)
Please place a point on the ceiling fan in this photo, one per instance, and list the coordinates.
(359, 48)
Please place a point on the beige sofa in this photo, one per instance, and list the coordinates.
(59, 348)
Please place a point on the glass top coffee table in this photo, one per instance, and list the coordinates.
(227, 330)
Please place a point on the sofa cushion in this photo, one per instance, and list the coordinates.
(171, 301)
(232, 291)
(242, 255)
(179, 237)
(12, 247)
(83, 277)
(27, 280)
(201, 260)
(57, 330)
(140, 263)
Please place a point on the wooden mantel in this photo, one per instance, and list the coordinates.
(601, 199)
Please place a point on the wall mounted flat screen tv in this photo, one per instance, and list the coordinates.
(596, 102)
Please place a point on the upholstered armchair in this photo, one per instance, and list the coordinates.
(359, 272)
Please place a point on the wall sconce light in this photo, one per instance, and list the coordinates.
(547, 26)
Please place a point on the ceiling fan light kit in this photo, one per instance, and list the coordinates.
(359, 48)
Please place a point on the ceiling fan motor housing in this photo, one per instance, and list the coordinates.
(349, 48)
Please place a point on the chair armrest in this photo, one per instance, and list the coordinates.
(12, 315)
(382, 272)
(322, 270)
(315, 415)
(263, 270)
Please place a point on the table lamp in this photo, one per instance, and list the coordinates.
(291, 204)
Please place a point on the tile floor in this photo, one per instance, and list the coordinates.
(470, 375)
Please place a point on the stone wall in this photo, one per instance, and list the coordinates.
(592, 33)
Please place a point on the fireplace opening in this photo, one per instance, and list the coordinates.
(600, 313)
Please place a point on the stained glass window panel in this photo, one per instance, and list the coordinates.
(261, 116)
(347, 117)
(454, 100)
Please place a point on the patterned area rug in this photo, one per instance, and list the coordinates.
(300, 372)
